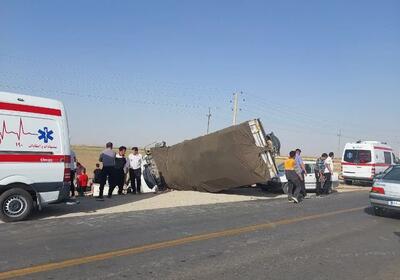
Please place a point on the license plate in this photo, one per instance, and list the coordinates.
(394, 203)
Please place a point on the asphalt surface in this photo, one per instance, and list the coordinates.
(335, 237)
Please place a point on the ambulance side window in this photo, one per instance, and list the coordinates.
(395, 159)
(388, 157)
(309, 168)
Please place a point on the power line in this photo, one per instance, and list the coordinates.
(99, 97)
(119, 79)
(303, 114)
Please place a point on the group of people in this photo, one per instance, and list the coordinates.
(295, 172)
(79, 177)
(115, 168)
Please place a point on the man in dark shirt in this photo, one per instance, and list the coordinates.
(97, 174)
(107, 157)
(319, 173)
(121, 167)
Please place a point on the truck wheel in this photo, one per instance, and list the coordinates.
(263, 187)
(285, 188)
(16, 205)
(379, 211)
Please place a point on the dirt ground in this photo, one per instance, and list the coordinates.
(88, 156)
(127, 203)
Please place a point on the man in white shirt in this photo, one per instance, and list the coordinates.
(328, 172)
(135, 170)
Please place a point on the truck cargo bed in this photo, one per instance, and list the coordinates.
(233, 157)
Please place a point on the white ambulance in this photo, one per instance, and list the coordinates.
(364, 159)
(34, 154)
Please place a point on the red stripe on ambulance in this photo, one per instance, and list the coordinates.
(33, 158)
(29, 109)
(365, 164)
(383, 148)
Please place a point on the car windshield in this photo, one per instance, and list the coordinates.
(357, 156)
(393, 174)
(309, 168)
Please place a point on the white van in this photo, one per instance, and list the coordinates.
(34, 154)
(363, 159)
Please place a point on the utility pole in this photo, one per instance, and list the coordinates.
(208, 119)
(339, 139)
(235, 107)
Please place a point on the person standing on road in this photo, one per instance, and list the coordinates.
(328, 173)
(121, 167)
(319, 173)
(135, 170)
(301, 171)
(107, 157)
(83, 180)
(293, 178)
(73, 173)
(97, 174)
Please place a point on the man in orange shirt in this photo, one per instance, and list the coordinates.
(293, 178)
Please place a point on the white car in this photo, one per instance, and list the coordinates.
(281, 183)
(385, 192)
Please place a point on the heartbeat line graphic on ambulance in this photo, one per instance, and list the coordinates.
(21, 131)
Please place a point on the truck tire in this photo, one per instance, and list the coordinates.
(16, 205)
(285, 188)
(263, 187)
(348, 182)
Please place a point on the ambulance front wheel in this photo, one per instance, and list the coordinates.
(16, 205)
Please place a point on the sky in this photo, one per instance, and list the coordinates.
(136, 72)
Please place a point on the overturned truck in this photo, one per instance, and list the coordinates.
(232, 157)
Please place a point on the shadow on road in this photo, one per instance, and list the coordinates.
(253, 191)
(88, 205)
(389, 214)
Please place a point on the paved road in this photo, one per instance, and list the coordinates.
(335, 237)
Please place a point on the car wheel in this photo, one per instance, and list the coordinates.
(16, 205)
(348, 182)
(379, 211)
(285, 188)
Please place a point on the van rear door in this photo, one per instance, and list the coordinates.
(357, 164)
